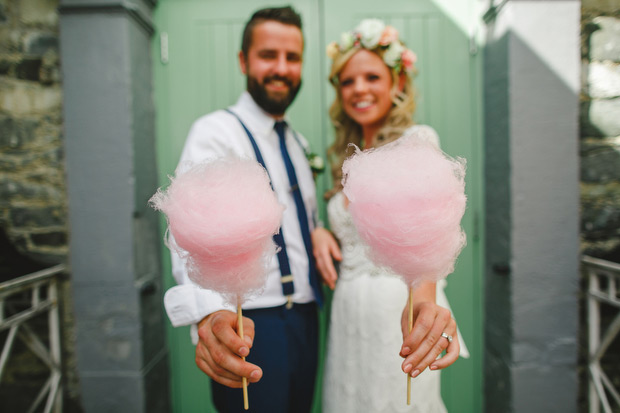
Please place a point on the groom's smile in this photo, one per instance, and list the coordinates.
(273, 66)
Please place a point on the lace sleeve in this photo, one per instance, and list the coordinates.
(424, 133)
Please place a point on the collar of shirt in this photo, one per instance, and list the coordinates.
(255, 118)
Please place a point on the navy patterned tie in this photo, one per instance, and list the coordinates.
(301, 209)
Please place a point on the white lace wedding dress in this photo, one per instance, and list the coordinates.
(363, 369)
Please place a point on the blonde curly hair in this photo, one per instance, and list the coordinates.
(347, 131)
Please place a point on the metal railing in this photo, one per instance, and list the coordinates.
(603, 288)
(21, 300)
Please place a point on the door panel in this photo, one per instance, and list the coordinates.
(202, 75)
(447, 99)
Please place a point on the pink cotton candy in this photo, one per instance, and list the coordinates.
(407, 199)
(222, 216)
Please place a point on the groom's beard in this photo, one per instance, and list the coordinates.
(272, 103)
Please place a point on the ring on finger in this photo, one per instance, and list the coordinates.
(447, 337)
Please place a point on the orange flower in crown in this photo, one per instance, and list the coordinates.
(373, 34)
(389, 35)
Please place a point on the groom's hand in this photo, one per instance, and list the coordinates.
(326, 250)
(219, 349)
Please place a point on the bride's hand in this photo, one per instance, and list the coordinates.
(326, 249)
(425, 342)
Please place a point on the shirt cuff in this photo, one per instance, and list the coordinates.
(188, 304)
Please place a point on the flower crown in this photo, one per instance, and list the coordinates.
(371, 34)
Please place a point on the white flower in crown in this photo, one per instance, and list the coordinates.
(374, 34)
(392, 55)
(346, 41)
(370, 31)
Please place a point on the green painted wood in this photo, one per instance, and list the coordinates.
(448, 98)
(202, 75)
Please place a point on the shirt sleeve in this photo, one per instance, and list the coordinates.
(210, 137)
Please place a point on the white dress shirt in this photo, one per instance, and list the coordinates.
(219, 134)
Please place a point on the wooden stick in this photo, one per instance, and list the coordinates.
(410, 328)
(246, 405)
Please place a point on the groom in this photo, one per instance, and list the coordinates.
(281, 328)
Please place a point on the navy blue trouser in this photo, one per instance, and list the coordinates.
(286, 348)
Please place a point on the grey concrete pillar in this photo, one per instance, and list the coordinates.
(532, 196)
(111, 173)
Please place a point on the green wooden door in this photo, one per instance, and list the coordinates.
(448, 99)
(199, 73)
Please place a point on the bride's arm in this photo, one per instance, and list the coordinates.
(425, 342)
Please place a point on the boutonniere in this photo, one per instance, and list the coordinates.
(316, 163)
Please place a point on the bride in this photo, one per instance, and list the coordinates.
(371, 72)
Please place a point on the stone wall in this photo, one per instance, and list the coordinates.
(33, 200)
(600, 160)
(600, 129)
